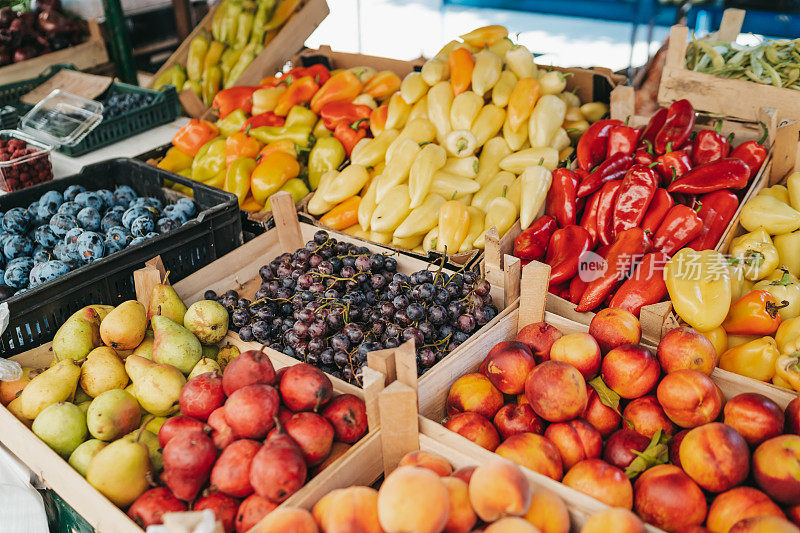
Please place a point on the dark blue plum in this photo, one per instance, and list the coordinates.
(46, 210)
(142, 225)
(184, 204)
(123, 195)
(58, 250)
(16, 220)
(73, 191)
(72, 235)
(70, 208)
(18, 246)
(42, 254)
(151, 235)
(33, 275)
(89, 218)
(52, 196)
(107, 197)
(110, 220)
(61, 224)
(113, 245)
(89, 199)
(150, 201)
(118, 209)
(137, 240)
(135, 212)
(45, 236)
(176, 214)
(17, 272)
(44, 272)
(90, 246)
(165, 225)
(119, 234)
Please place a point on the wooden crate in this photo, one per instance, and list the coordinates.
(86, 55)
(286, 44)
(735, 98)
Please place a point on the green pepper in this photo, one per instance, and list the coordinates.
(296, 187)
(228, 60)
(198, 49)
(327, 154)
(247, 56)
(267, 134)
(230, 23)
(243, 29)
(263, 14)
(211, 84)
(195, 86)
(216, 20)
(175, 76)
(209, 161)
(232, 123)
(301, 116)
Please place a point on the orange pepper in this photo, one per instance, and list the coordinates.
(271, 173)
(194, 135)
(284, 145)
(240, 145)
(250, 204)
(299, 92)
(343, 215)
(461, 65)
(269, 81)
(382, 85)
(521, 101)
(755, 313)
(377, 119)
(342, 87)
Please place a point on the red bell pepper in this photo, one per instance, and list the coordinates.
(710, 145)
(229, 100)
(613, 168)
(531, 244)
(192, 136)
(333, 113)
(716, 211)
(677, 127)
(648, 137)
(646, 286)
(564, 252)
(576, 288)
(593, 144)
(752, 153)
(635, 194)
(661, 203)
(728, 173)
(643, 157)
(349, 135)
(680, 227)
(264, 119)
(589, 218)
(630, 245)
(562, 291)
(673, 165)
(623, 139)
(605, 211)
(319, 73)
(561, 200)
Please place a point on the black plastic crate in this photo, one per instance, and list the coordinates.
(36, 314)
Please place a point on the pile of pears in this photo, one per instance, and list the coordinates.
(116, 377)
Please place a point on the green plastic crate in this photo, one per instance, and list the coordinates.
(164, 108)
(61, 518)
(8, 117)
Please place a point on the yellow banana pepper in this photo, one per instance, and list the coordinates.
(739, 284)
(755, 359)
(367, 205)
(486, 72)
(476, 224)
(419, 130)
(266, 99)
(300, 116)
(522, 101)
(412, 88)
(494, 151)
(488, 123)
(346, 184)
(398, 112)
(515, 139)
(565, 154)
(431, 158)
(520, 61)
(787, 368)
(501, 47)
(775, 216)
(356, 231)
(466, 167)
(485, 36)
(500, 215)
(699, 287)
(374, 150)
(237, 179)
(430, 240)
(718, 338)
(572, 100)
(453, 226)
(546, 119)
(788, 335)
(495, 188)
(327, 154)
(214, 55)
(419, 109)
(440, 99)
(228, 60)
(517, 162)
(788, 246)
(175, 160)
(364, 74)
(534, 182)
(738, 340)
(435, 70)
(461, 143)
(211, 83)
(422, 218)
(272, 172)
(232, 123)
(175, 76)
(501, 93)
(755, 253)
(210, 160)
(379, 237)
(316, 205)
(397, 168)
(553, 82)
(786, 289)
(793, 190)
(320, 130)
(779, 192)
(561, 141)
(594, 111)
(464, 109)
(197, 53)
(452, 186)
(575, 128)
(409, 243)
(391, 212)
(296, 187)
(269, 134)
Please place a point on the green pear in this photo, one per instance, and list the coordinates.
(153, 423)
(226, 353)
(208, 320)
(103, 370)
(113, 414)
(121, 471)
(124, 327)
(204, 366)
(145, 348)
(156, 386)
(149, 439)
(78, 336)
(80, 396)
(62, 426)
(165, 301)
(210, 352)
(175, 345)
(80, 458)
(84, 406)
(56, 384)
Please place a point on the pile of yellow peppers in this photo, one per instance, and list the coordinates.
(748, 303)
(467, 144)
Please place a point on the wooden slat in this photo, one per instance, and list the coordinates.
(286, 221)
(731, 24)
(533, 292)
(399, 430)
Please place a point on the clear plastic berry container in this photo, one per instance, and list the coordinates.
(24, 161)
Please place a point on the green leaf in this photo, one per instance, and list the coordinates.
(607, 397)
(656, 453)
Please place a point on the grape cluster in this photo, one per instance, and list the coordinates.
(331, 302)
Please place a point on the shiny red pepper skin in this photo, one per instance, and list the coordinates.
(531, 244)
(653, 127)
(646, 286)
(728, 173)
(613, 168)
(630, 245)
(564, 253)
(623, 139)
(716, 211)
(605, 211)
(661, 203)
(576, 288)
(709, 146)
(593, 144)
(589, 218)
(561, 199)
(635, 194)
(677, 127)
(264, 119)
(680, 227)
(673, 165)
(562, 291)
(643, 157)
(753, 154)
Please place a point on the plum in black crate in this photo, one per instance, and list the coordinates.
(36, 314)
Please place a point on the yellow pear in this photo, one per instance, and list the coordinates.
(149, 439)
(174, 345)
(82, 456)
(145, 348)
(204, 366)
(156, 386)
(79, 335)
(84, 406)
(123, 328)
(121, 471)
(56, 384)
(80, 396)
(14, 407)
(62, 426)
(210, 352)
(153, 423)
(113, 414)
(226, 353)
(165, 301)
(102, 371)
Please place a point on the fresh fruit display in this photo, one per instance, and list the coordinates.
(636, 429)
(26, 33)
(330, 303)
(637, 197)
(22, 165)
(65, 230)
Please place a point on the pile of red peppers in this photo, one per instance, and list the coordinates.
(634, 197)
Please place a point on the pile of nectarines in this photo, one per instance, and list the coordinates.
(634, 429)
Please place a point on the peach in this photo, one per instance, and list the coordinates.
(792, 416)
(630, 370)
(602, 482)
(288, 519)
(512, 419)
(462, 517)
(579, 350)
(413, 499)
(647, 416)
(435, 463)
(475, 428)
(667, 498)
(348, 509)
(764, 524)
(715, 456)
(474, 393)
(556, 391)
(684, 348)
(621, 445)
(674, 446)
(576, 440)
(548, 512)
(539, 337)
(689, 398)
(499, 488)
(754, 416)
(693, 529)
(507, 365)
(776, 468)
(737, 504)
(615, 327)
(511, 524)
(613, 520)
(11, 389)
(533, 451)
(605, 419)
(464, 473)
